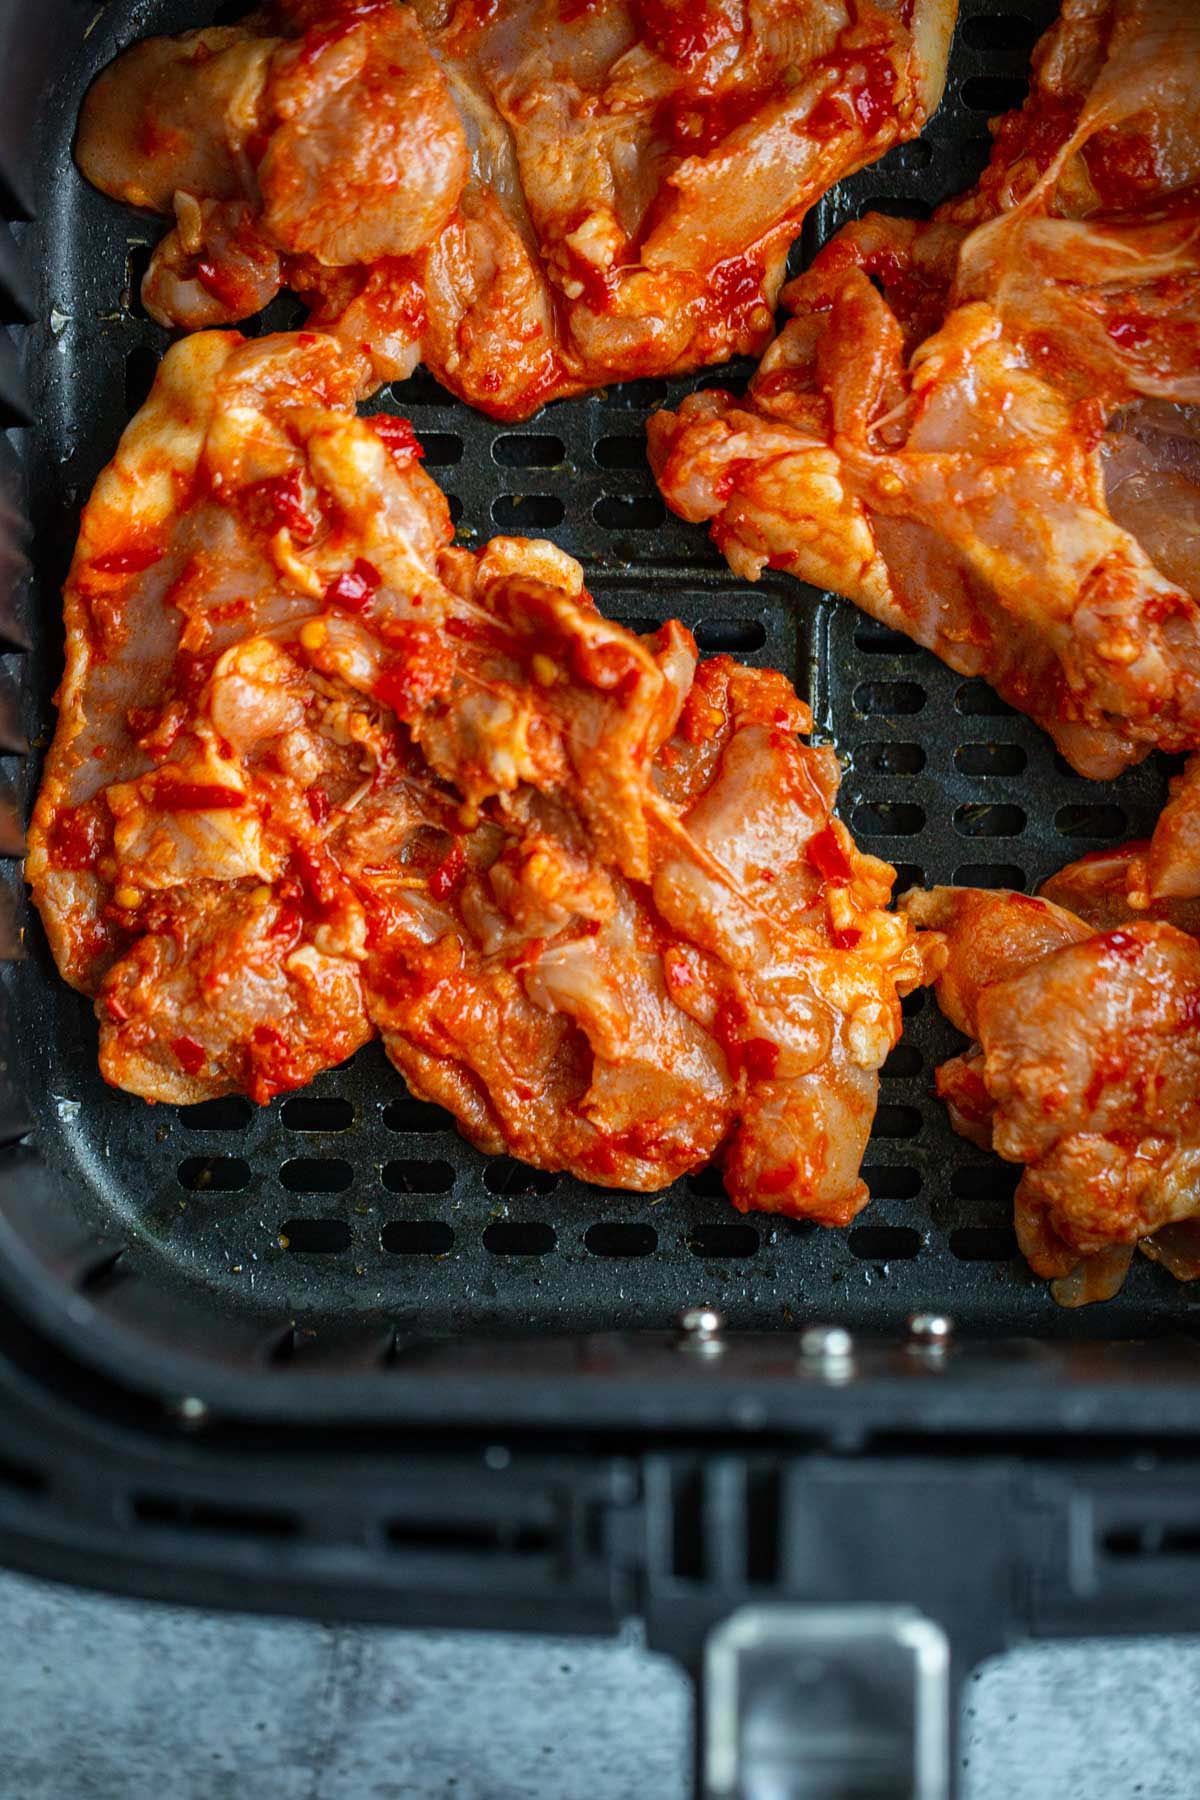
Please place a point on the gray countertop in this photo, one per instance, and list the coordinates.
(105, 1699)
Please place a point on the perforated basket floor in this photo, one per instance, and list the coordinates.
(352, 1201)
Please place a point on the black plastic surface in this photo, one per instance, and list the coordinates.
(351, 1209)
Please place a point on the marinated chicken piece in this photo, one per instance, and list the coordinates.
(1085, 1067)
(1108, 887)
(318, 774)
(1156, 878)
(985, 429)
(533, 197)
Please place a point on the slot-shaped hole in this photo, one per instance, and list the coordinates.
(314, 1237)
(454, 507)
(214, 1174)
(723, 1239)
(417, 1237)
(735, 636)
(888, 698)
(511, 1537)
(232, 1112)
(519, 1237)
(317, 1112)
(209, 1515)
(915, 156)
(889, 818)
(642, 624)
(442, 448)
(987, 1183)
(416, 1115)
(889, 759)
(990, 875)
(888, 1181)
(982, 820)
(418, 1175)
(525, 512)
(908, 875)
(422, 390)
(620, 452)
(505, 1175)
(990, 759)
(896, 206)
(1091, 819)
(528, 450)
(709, 1183)
(688, 1559)
(629, 512)
(993, 94)
(984, 1243)
(141, 366)
(976, 700)
(137, 261)
(649, 390)
(1151, 1538)
(621, 1237)
(884, 1243)
(904, 1062)
(764, 1515)
(995, 33)
(894, 1120)
(316, 1175)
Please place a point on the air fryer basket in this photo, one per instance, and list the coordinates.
(254, 1358)
(351, 1204)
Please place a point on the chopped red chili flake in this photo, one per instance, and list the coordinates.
(129, 561)
(78, 836)
(398, 436)
(195, 796)
(418, 674)
(760, 1058)
(827, 857)
(352, 589)
(282, 499)
(684, 31)
(116, 1009)
(318, 805)
(844, 937)
(736, 287)
(449, 873)
(190, 1055)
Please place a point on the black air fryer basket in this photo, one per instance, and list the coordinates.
(324, 1357)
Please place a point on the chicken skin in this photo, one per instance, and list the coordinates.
(1084, 1066)
(319, 775)
(985, 429)
(534, 197)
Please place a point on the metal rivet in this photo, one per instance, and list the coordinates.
(700, 1329)
(189, 1410)
(931, 1329)
(831, 1343)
